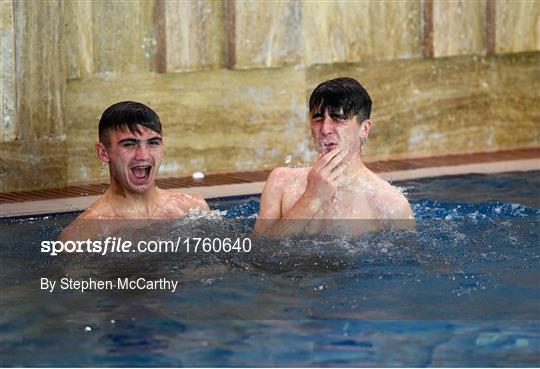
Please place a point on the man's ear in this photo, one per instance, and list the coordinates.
(102, 153)
(364, 128)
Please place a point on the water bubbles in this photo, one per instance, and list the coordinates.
(486, 338)
(197, 213)
(498, 339)
(402, 190)
(208, 281)
(345, 329)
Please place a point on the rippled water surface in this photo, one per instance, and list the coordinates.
(461, 290)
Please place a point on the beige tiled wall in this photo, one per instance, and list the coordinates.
(108, 37)
(459, 27)
(446, 105)
(79, 37)
(40, 70)
(123, 36)
(345, 31)
(517, 26)
(266, 34)
(8, 101)
(230, 79)
(213, 121)
(194, 35)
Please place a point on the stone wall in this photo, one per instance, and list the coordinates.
(230, 79)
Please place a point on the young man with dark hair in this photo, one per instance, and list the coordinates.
(338, 187)
(131, 143)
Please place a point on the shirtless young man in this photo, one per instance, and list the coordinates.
(130, 142)
(338, 186)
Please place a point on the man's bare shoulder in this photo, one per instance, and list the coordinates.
(272, 197)
(87, 223)
(397, 205)
(185, 201)
(283, 176)
(99, 209)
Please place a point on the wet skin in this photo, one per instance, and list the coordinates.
(134, 159)
(337, 186)
(330, 131)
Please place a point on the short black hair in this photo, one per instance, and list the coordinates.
(343, 97)
(127, 114)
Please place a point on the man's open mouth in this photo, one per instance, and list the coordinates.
(328, 146)
(141, 172)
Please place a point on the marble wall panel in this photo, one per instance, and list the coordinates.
(31, 165)
(229, 120)
(515, 95)
(40, 64)
(7, 67)
(79, 39)
(353, 31)
(124, 39)
(458, 27)
(213, 121)
(195, 35)
(446, 106)
(517, 26)
(265, 33)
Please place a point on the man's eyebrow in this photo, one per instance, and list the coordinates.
(155, 138)
(316, 114)
(130, 139)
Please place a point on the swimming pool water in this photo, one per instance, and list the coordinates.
(461, 290)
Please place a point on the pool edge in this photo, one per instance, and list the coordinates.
(74, 204)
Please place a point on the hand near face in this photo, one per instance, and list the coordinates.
(326, 175)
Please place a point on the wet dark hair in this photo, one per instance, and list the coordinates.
(127, 114)
(344, 98)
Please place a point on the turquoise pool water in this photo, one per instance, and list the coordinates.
(461, 290)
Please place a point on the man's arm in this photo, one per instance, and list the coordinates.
(85, 226)
(322, 181)
(401, 213)
(200, 203)
(185, 203)
(271, 220)
(270, 203)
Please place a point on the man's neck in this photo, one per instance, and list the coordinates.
(132, 205)
(355, 168)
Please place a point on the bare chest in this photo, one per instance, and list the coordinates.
(346, 203)
(163, 210)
